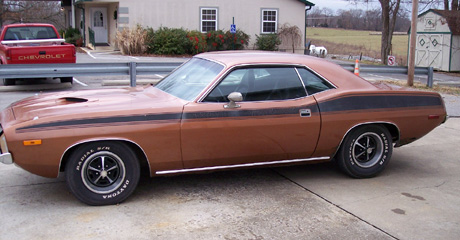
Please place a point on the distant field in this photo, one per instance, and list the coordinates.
(354, 42)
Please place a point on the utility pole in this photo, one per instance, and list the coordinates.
(413, 36)
(1, 13)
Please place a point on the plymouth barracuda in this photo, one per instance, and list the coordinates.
(221, 110)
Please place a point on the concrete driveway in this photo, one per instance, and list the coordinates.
(416, 197)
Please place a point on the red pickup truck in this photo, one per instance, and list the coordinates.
(33, 43)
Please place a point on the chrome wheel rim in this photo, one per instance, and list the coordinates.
(367, 150)
(103, 172)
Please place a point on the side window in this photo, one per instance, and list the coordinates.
(259, 84)
(313, 83)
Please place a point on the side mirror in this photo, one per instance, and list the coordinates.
(234, 97)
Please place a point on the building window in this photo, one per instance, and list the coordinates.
(269, 20)
(208, 19)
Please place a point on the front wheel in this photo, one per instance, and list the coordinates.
(102, 173)
(365, 151)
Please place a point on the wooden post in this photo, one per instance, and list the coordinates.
(413, 36)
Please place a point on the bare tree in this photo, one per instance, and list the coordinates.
(31, 11)
(455, 5)
(328, 13)
(390, 9)
(446, 4)
(290, 34)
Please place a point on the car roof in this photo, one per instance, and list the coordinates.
(29, 25)
(328, 70)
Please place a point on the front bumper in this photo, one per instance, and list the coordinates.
(6, 158)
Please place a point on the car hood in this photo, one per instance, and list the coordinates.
(95, 103)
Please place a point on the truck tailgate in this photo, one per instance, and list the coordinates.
(42, 54)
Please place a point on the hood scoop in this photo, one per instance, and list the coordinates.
(69, 100)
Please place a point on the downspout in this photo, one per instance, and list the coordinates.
(306, 50)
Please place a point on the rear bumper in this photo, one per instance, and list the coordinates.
(6, 158)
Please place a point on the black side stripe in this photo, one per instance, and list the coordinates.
(106, 120)
(335, 105)
(248, 113)
(378, 102)
(171, 116)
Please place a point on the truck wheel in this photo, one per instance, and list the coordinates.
(365, 151)
(67, 79)
(8, 82)
(102, 173)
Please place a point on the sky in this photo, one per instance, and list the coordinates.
(343, 4)
(339, 4)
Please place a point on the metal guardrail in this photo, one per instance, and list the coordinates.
(86, 69)
(146, 68)
(389, 69)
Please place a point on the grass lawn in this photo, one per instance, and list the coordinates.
(354, 42)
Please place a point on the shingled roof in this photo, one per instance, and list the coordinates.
(452, 17)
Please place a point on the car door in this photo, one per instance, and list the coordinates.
(275, 121)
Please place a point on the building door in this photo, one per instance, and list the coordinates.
(429, 50)
(99, 24)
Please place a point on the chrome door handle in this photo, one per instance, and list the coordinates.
(305, 112)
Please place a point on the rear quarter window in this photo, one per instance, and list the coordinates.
(313, 83)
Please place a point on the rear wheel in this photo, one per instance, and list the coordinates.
(365, 151)
(102, 173)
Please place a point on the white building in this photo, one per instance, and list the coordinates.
(253, 17)
(438, 40)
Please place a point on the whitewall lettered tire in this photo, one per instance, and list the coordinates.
(365, 151)
(102, 173)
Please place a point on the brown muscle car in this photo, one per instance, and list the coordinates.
(217, 111)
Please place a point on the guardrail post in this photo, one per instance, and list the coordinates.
(132, 74)
(429, 82)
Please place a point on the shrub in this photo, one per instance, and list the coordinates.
(73, 36)
(169, 41)
(218, 40)
(197, 41)
(149, 39)
(215, 40)
(237, 41)
(131, 41)
(177, 41)
(268, 42)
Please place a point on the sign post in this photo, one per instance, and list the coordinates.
(391, 61)
(233, 31)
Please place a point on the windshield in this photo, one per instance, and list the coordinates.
(29, 33)
(190, 79)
